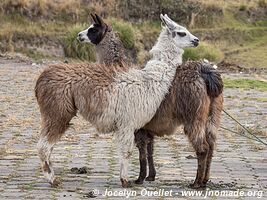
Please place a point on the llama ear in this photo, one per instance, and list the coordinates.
(167, 18)
(168, 23)
(93, 18)
(162, 19)
(100, 20)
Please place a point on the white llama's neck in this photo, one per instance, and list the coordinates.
(165, 50)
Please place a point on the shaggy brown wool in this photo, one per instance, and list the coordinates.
(195, 100)
(64, 88)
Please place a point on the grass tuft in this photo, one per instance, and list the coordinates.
(204, 51)
(125, 31)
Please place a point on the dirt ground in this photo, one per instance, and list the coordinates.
(239, 164)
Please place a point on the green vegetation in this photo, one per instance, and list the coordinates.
(203, 51)
(250, 53)
(245, 84)
(242, 42)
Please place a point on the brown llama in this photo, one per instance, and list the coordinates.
(195, 100)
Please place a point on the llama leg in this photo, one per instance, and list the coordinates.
(211, 141)
(141, 143)
(211, 131)
(125, 140)
(150, 149)
(198, 140)
(50, 134)
(201, 168)
(44, 150)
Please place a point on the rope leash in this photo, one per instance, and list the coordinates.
(244, 128)
(238, 133)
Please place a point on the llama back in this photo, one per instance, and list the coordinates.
(70, 87)
(194, 70)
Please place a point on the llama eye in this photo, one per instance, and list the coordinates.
(181, 34)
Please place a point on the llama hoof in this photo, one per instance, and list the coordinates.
(194, 186)
(197, 185)
(139, 181)
(203, 185)
(56, 183)
(125, 183)
(150, 178)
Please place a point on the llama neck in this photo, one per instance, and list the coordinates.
(166, 57)
(110, 50)
(165, 50)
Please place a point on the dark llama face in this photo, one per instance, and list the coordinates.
(95, 33)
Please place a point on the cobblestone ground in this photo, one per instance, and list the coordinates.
(239, 164)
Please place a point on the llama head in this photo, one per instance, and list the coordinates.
(96, 32)
(181, 37)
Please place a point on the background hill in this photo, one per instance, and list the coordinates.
(234, 32)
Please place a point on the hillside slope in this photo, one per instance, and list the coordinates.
(230, 31)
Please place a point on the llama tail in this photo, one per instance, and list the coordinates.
(214, 85)
(212, 79)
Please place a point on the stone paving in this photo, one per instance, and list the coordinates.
(239, 164)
